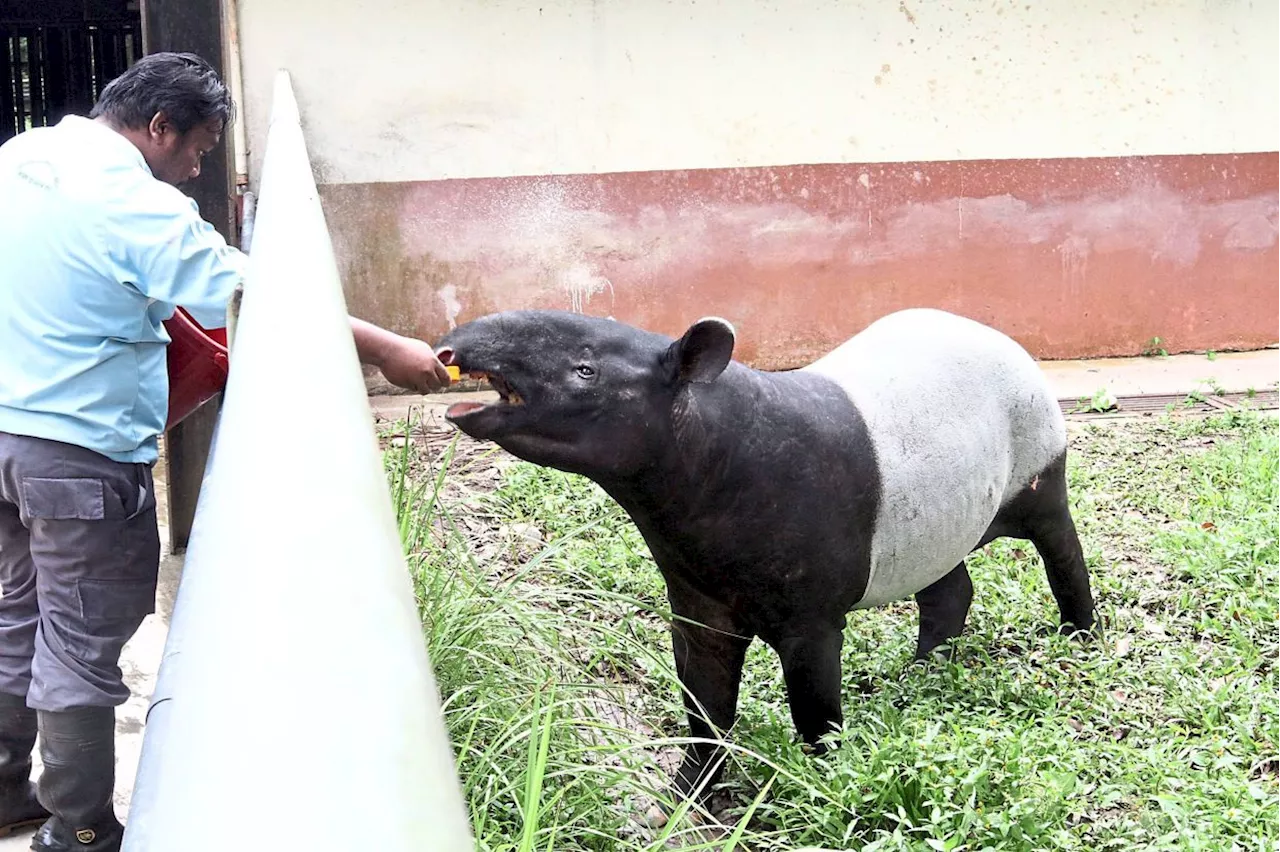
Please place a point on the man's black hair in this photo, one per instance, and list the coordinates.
(181, 85)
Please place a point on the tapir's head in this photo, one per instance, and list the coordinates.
(581, 394)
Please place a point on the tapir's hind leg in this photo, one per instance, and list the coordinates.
(1046, 518)
(944, 607)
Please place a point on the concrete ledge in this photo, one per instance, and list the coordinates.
(1173, 374)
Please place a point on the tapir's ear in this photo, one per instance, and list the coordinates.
(704, 351)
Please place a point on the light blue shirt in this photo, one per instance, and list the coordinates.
(95, 253)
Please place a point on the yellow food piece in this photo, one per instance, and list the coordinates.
(454, 372)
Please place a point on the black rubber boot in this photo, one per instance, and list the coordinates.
(19, 808)
(78, 747)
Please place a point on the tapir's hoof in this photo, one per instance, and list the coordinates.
(716, 809)
(940, 655)
(656, 817)
(1083, 635)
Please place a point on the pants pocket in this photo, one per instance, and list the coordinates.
(127, 493)
(78, 499)
(105, 603)
(144, 497)
(110, 612)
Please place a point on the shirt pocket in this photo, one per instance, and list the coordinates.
(78, 499)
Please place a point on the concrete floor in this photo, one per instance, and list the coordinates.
(1070, 379)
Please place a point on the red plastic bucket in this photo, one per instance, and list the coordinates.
(198, 365)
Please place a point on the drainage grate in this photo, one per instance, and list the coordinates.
(1183, 403)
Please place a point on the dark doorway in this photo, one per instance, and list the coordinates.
(56, 55)
(195, 26)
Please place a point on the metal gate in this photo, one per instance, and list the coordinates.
(47, 72)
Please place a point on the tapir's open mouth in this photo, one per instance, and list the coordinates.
(507, 395)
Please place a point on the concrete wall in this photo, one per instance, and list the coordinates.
(1085, 175)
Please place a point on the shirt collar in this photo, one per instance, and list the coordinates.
(119, 143)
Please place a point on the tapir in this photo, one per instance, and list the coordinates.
(774, 503)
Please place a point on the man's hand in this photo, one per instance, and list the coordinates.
(404, 361)
(413, 364)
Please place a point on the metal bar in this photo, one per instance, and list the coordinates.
(21, 70)
(35, 78)
(295, 703)
(1182, 403)
(1219, 403)
(240, 145)
(8, 109)
(15, 69)
(102, 73)
(117, 52)
(79, 81)
(28, 68)
(134, 48)
(54, 65)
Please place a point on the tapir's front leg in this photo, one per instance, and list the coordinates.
(709, 652)
(709, 666)
(811, 671)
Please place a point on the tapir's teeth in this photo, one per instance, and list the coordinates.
(505, 392)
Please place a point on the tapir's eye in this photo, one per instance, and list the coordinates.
(586, 371)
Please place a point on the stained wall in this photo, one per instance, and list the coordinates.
(1084, 175)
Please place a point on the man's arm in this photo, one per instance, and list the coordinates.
(404, 361)
(163, 248)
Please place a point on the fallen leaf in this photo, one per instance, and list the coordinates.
(1208, 525)
(1123, 645)
(1075, 725)
(654, 817)
(1155, 628)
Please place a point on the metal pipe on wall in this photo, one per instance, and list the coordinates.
(295, 706)
(231, 34)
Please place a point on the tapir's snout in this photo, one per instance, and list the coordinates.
(467, 341)
(482, 349)
(473, 348)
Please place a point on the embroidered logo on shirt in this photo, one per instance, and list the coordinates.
(39, 173)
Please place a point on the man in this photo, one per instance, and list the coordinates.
(97, 246)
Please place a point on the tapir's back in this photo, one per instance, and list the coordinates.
(961, 419)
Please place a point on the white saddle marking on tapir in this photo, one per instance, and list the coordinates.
(961, 419)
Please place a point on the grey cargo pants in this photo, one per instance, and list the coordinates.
(79, 555)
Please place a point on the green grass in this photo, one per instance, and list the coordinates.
(552, 658)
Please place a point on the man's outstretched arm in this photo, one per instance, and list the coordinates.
(197, 269)
(404, 361)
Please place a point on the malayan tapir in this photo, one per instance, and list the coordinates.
(776, 502)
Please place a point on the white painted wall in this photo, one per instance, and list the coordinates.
(395, 90)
